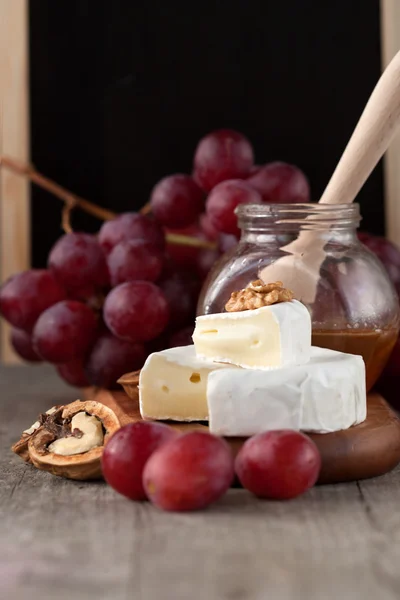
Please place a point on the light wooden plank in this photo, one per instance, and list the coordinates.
(14, 141)
(86, 542)
(390, 44)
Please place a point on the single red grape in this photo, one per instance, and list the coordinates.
(220, 155)
(26, 295)
(387, 252)
(64, 331)
(279, 182)
(226, 242)
(223, 200)
(127, 452)
(185, 256)
(21, 341)
(136, 311)
(78, 262)
(278, 464)
(111, 358)
(130, 226)
(208, 228)
(178, 290)
(183, 337)
(134, 259)
(176, 201)
(73, 373)
(189, 472)
(255, 169)
(157, 344)
(205, 262)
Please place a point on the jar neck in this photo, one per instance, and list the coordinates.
(263, 222)
(343, 236)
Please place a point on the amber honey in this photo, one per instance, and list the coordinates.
(374, 346)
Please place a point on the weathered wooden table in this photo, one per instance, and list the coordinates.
(61, 539)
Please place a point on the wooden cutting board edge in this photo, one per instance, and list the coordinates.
(366, 450)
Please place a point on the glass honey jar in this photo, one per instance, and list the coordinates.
(355, 307)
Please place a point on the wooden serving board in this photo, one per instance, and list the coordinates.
(366, 450)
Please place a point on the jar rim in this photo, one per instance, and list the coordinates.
(310, 215)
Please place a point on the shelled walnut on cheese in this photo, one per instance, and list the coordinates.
(68, 441)
(258, 294)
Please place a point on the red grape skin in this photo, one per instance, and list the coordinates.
(130, 226)
(78, 261)
(178, 290)
(111, 358)
(189, 472)
(26, 295)
(387, 252)
(185, 256)
(136, 311)
(208, 228)
(278, 464)
(21, 341)
(183, 337)
(159, 343)
(64, 331)
(206, 260)
(255, 169)
(279, 182)
(220, 155)
(226, 242)
(73, 373)
(223, 200)
(176, 201)
(134, 259)
(127, 452)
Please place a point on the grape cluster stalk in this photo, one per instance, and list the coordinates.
(106, 301)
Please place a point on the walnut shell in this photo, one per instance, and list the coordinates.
(21, 447)
(78, 466)
(130, 382)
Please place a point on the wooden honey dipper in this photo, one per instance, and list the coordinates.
(299, 270)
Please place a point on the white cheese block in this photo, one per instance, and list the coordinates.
(327, 394)
(268, 337)
(173, 385)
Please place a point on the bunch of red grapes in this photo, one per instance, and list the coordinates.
(105, 302)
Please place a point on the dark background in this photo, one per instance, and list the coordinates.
(121, 91)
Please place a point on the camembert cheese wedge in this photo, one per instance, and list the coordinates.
(173, 385)
(327, 394)
(272, 336)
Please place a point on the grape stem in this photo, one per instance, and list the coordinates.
(72, 201)
(57, 190)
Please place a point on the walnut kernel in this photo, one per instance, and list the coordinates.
(258, 294)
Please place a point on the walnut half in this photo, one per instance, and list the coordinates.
(69, 442)
(21, 447)
(258, 294)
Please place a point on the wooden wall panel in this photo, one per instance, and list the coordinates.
(14, 141)
(390, 43)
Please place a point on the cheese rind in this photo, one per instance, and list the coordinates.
(327, 394)
(173, 385)
(264, 338)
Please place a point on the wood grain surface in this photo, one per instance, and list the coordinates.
(61, 539)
